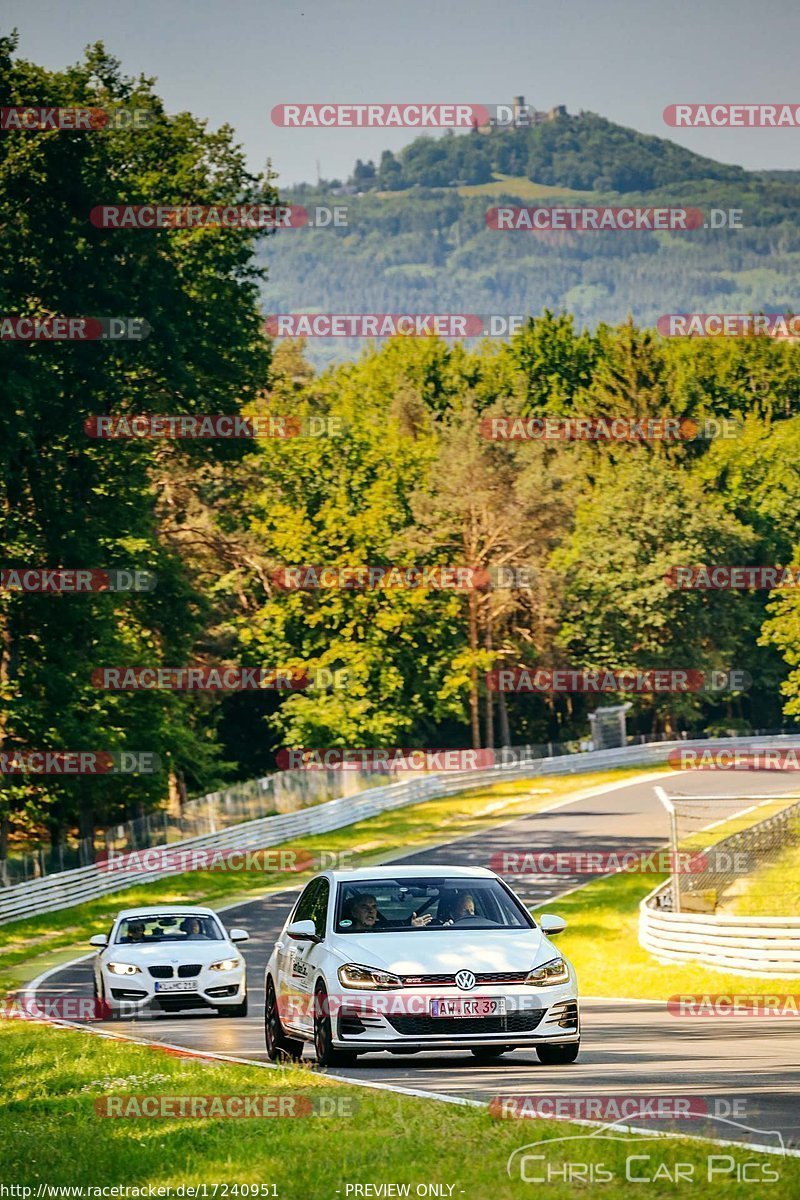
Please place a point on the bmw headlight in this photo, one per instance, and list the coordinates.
(554, 971)
(367, 978)
(226, 964)
(123, 968)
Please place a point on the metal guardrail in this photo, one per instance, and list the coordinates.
(279, 792)
(68, 888)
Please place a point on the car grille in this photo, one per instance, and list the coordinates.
(481, 977)
(189, 970)
(514, 1022)
(180, 1001)
(160, 972)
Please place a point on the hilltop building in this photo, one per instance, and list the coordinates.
(519, 115)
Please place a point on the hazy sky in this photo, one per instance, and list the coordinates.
(232, 60)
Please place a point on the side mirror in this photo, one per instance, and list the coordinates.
(99, 939)
(551, 924)
(303, 931)
(238, 935)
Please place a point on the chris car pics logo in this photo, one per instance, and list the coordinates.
(614, 1153)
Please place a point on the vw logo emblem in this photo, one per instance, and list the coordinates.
(465, 980)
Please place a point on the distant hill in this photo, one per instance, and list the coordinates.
(585, 152)
(417, 239)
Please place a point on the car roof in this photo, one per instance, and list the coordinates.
(166, 910)
(410, 872)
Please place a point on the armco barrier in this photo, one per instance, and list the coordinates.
(764, 946)
(87, 883)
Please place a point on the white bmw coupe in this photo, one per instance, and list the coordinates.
(406, 959)
(169, 959)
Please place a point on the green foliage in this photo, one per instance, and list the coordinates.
(70, 501)
(585, 152)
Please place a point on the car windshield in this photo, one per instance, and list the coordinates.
(415, 904)
(149, 930)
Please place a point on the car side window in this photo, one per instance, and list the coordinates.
(319, 913)
(305, 905)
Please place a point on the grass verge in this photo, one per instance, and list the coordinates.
(52, 1080)
(773, 891)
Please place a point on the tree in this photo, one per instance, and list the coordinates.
(643, 516)
(70, 501)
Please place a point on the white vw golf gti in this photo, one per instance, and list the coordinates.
(418, 958)
(168, 959)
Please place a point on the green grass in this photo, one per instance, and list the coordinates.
(774, 891)
(34, 944)
(523, 189)
(51, 1079)
(602, 941)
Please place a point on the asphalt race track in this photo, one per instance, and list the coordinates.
(628, 1048)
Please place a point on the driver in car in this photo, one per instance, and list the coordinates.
(193, 929)
(464, 906)
(455, 906)
(365, 915)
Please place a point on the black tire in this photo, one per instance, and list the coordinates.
(234, 1010)
(102, 1009)
(280, 1048)
(558, 1053)
(327, 1054)
(490, 1052)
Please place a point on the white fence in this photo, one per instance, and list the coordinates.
(765, 946)
(87, 883)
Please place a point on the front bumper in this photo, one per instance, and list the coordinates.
(212, 989)
(402, 1019)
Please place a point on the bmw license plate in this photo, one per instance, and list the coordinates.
(472, 1006)
(177, 985)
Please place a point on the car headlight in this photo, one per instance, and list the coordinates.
(226, 964)
(554, 971)
(368, 978)
(123, 968)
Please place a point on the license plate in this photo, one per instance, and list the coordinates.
(177, 985)
(472, 1006)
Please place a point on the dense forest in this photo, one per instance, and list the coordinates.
(404, 475)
